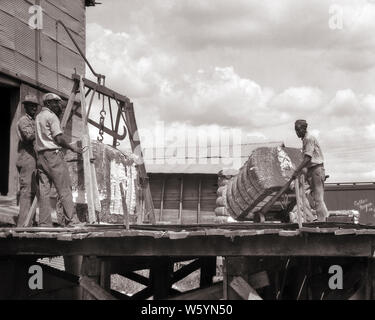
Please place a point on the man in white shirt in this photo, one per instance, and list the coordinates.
(52, 168)
(313, 164)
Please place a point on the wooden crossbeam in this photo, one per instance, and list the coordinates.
(101, 89)
(186, 270)
(214, 292)
(94, 289)
(143, 294)
(243, 289)
(136, 277)
(119, 295)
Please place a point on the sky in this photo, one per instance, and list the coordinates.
(254, 67)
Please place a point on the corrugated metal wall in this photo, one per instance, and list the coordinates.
(19, 44)
(190, 196)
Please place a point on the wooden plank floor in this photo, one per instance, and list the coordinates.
(272, 239)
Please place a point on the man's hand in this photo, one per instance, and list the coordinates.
(76, 149)
(295, 174)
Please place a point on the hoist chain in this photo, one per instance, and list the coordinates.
(102, 118)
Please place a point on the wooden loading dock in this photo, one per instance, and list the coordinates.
(257, 259)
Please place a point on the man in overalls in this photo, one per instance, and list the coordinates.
(26, 162)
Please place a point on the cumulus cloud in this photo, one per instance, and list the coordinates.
(255, 66)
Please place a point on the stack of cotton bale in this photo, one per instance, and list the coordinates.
(112, 168)
(221, 211)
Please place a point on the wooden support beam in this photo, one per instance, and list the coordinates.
(161, 278)
(102, 89)
(299, 205)
(208, 271)
(119, 295)
(279, 294)
(91, 268)
(69, 106)
(96, 291)
(136, 277)
(105, 275)
(199, 199)
(214, 292)
(186, 270)
(143, 294)
(136, 148)
(162, 199)
(180, 200)
(244, 290)
(91, 187)
(370, 279)
(124, 207)
(312, 244)
(259, 280)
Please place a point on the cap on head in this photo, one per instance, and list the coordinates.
(30, 99)
(301, 123)
(51, 96)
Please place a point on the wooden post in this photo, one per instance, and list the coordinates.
(181, 196)
(199, 200)
(208, 271)
(370, 279)
(86, 147)
(161, 275)
(136, 147)
(124, 207)
(298, 198)
(90, 268)
(162, 200)
(225, 279)
(105, 275)
(69, 106)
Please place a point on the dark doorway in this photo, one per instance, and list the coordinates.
(6, 95)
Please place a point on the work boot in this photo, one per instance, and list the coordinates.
(75, 223)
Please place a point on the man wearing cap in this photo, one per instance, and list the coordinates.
(26, 162)
(313, 164)
(51, 165)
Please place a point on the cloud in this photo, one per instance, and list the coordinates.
(298, 100)
(256, 66)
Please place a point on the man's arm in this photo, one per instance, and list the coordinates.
(61, 141)
(26, 130)
(58, 135)
(304, 163)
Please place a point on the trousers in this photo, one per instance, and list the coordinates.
(52, 168)
(315, 178)
(26, 166)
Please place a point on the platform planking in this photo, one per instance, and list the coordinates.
(267, 239)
